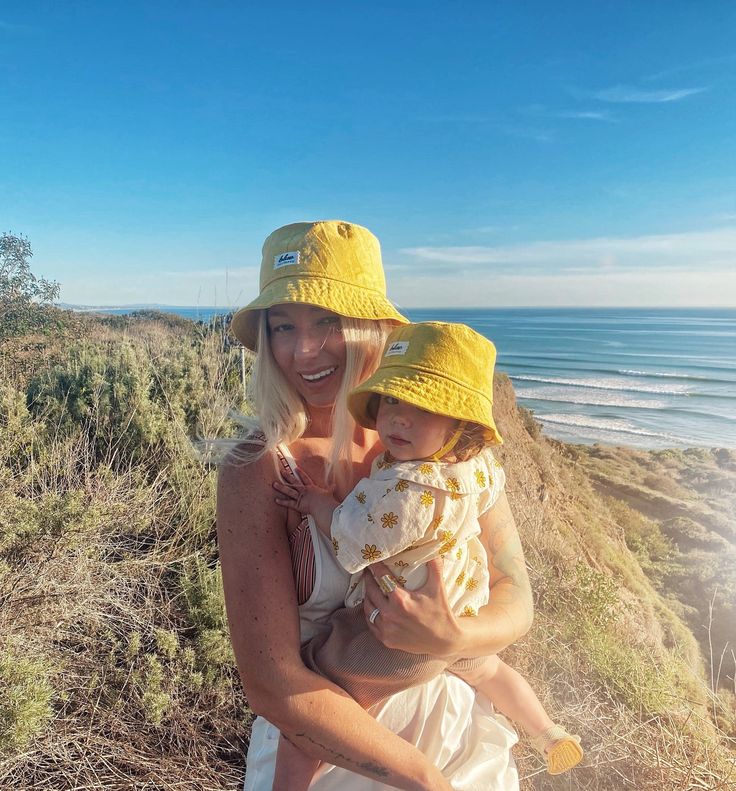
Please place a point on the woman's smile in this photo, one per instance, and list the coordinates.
(308, 346)
(320, 375)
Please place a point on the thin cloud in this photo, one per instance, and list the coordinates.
(589, 115)
(196, 274)
(540, 111)
(217, 286)
(509, 288)
(512, 130)
(526, 132)
(690, 67)
(455, 119)
(491, 229)
(12, 27)
(703, 250)
(623, 94)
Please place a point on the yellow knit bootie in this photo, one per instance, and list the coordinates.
(561, 751)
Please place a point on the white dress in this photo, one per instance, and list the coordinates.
(455, 728)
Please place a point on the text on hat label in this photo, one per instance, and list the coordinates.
(285, 259)
(397, 347)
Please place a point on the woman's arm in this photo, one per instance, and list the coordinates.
(422, 621)
(262, 613)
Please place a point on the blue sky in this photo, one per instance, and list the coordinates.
(505, 154)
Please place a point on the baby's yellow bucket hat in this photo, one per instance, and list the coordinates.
(443, 368)
(332, 264)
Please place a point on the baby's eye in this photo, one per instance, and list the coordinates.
(390, 400)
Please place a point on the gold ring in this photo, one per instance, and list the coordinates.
(387, 584)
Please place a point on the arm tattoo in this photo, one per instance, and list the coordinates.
(367, 766)
(507, 556)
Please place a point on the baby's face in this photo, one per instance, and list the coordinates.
(410, 433)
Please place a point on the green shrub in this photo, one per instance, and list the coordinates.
(19, 523)
(596, 595)
(25, 701)
(589, 613)
(107, 393)
(202, 588)
(630, 674)
(664, 484)
(652, 548)
(28, 523)
(167, 643)
(532, 426)
(214, 649)
(133, 648)
(136, 402)
(149, 680)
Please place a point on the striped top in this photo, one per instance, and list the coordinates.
(300, 547)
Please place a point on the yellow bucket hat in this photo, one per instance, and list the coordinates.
(443, 368)
(332, 264)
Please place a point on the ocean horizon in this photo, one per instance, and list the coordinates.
(647, 378)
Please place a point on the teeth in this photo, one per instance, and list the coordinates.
(320, 375)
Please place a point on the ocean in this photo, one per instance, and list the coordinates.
(646, 378)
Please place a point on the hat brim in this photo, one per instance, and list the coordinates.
(425, 390)
(342, 298)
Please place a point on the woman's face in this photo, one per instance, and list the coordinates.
(308, 346)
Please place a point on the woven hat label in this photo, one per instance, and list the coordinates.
(398, 347)
(285, 259)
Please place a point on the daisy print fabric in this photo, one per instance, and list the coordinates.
(409, 512)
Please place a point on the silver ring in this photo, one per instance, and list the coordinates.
(372, 617)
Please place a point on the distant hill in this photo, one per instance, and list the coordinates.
(134, 306)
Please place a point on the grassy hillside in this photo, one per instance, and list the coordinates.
(683, 532)
(115, 668)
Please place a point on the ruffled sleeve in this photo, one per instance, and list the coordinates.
(381, 518)
(488, 470)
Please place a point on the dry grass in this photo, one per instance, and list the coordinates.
(96, 546)
(111, 610)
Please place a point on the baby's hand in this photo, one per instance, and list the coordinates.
(300, 493)
(293, 492)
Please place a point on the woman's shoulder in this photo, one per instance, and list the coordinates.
(246, 499)
(239, 466)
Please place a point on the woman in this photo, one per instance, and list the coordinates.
(318, 326)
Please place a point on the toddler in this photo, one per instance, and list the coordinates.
(430, 400)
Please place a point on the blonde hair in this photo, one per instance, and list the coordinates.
(280, 415)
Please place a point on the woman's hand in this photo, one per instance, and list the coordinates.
(419, 621)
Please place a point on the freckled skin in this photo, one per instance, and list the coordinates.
(317, 716)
